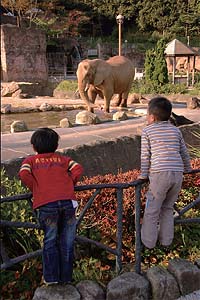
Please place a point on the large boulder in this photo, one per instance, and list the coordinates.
(18, 126)
(46, 107)
(87, 118)
(193, 103)
(128, 286)
(120, 116)
(90, 290)
(163, 284)
(8, 89)
(186, 274)
(6, 108)
(65, 123)
(56, 292)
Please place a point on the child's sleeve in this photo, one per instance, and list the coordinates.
(25, 174)
(185, 155)
(75, 169)
(145, 156)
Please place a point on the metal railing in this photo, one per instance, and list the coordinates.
(119, 187)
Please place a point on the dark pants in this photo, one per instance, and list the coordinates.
(58, 221)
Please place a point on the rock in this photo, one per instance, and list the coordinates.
(57, 108)
(17, 93)
(86, 118)
(179, 120)
(128, 286)
(193, 296)
(193, 103)
(186, 274)
(65, 123)
(90, 290)
(163, 284)
(197, 262)
(9, 89)
(120, 115)
(6, 108)
(18, 126)
(134, 98)
(45, 107)
(56, 292)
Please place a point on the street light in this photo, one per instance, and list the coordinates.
(120, 20)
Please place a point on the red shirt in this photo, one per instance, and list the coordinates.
(50, 177)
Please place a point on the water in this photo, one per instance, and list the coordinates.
(51, 119)
(37, 119)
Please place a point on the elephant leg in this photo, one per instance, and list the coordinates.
(124, 99)
(119, 100)
(107, 104)
(123, 103)
(92, 96)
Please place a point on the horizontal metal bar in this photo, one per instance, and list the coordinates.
(82, 239)
(90, 187)
(184, 221)
(188, 207)
(19, 224)
(20, 258)
(16, 198)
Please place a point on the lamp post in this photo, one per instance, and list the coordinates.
(120, 19)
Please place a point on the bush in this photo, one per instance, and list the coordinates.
(67, 85)
(99, 224)
(142, 87)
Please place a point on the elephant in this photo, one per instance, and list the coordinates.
(105, 78)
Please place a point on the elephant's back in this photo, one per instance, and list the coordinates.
(119, 61)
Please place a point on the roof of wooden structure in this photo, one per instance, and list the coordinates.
(177, 48)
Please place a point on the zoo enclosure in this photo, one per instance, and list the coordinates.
(119, 187)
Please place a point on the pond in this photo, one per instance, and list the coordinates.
(51, 119)
(37, 119)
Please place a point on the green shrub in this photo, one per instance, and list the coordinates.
(67, 85)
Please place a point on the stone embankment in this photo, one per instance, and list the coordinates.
(104, 156)
(179, 281)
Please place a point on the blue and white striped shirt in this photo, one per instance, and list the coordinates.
(163, 149)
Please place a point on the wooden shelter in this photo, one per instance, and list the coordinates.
(176, 49)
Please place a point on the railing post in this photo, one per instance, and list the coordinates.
(137, 229)
(119, 229)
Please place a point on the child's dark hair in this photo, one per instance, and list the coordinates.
(160, 107)
(45, 140)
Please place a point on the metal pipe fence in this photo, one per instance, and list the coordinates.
(119, 187)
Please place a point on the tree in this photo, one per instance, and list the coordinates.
(149, 64)
(160, 73)
(169, 16)
(155, 64)
(20, 7)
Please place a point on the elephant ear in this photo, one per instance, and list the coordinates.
(103, 70)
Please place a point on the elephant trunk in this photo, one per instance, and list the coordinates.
(83, 87)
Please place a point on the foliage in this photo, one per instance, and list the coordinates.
(18, 241)
(88, 18)
(172, 17)
(67, 85)
(99, 224)
(155, 65)
(143, 87)
(149, 65)
(195, 151)
(160, 72)
(20, 7)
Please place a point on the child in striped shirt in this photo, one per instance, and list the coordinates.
(164, 158)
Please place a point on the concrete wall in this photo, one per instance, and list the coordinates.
(114, 156)
(23, 54)
(103, 157)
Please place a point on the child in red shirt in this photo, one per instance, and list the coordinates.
(51, 178)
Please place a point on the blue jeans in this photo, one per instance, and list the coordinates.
(58, 221)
